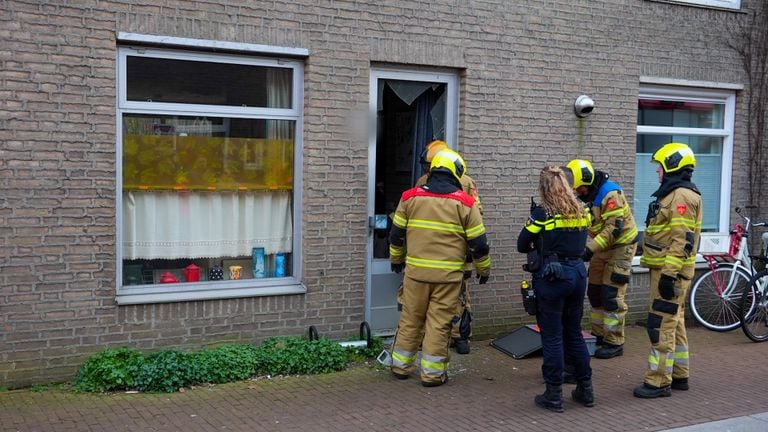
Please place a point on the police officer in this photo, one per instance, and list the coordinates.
(610, 247)
(557, 230)
(463, 316)
(671, 239)
(434, 227)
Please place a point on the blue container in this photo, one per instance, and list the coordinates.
(280, 265)
(259, 269)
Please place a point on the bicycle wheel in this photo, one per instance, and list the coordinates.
(719, 310)
(754, 308)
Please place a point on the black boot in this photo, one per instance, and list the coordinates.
(598, 339)
(584, 394)
(609, 351)
(461, 346)
(551, 399)
(647, 391)
(680, 384)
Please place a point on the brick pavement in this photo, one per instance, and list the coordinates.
(488, 391)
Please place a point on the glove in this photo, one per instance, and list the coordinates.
(667, 287)
(467, 274)
(587, 255)
(397, 268)
(553, 271)
(482, 280)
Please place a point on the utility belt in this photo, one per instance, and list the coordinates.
(536, 262)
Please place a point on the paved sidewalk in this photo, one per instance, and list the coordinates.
(488, 391)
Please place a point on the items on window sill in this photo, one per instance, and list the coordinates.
(216, 273)
(280, 264)
(168, 277)
(192, 273)
(234, 272)
(259, 268)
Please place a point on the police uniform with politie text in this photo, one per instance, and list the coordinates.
(434, 228)
(610, 249)
(461, 330)
(560, 285)
(670, 243)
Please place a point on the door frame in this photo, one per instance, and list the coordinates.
(451, 80)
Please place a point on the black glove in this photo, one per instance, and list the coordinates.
(553, 271)
(467, 274)
(482, 280)
(667, 287)
(397, 268)
(587, 255)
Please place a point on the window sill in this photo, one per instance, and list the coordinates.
(703, 4)
(131, 296)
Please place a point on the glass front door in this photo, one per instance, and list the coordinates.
(411, 109)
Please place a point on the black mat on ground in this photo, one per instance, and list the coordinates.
(520, 343)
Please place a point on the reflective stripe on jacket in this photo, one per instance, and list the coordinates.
(437, 230)
(671, 238)
(613, 222)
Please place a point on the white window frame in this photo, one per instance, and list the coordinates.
(723, 4)
(144, 294)
(726, 96)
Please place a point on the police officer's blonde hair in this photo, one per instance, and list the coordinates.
(556, 194)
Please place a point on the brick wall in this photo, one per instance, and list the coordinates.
(522, 64)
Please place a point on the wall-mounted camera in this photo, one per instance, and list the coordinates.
(583, 106)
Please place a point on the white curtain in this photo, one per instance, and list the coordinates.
(170, 225)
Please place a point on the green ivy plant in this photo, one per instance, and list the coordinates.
(170, 370)
(107, 370)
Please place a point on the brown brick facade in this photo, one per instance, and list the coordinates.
(521, 64)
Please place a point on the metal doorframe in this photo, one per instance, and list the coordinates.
(451, 80)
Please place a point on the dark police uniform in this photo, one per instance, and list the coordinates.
(560, 285)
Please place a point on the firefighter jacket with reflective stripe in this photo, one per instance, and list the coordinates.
(433, 233)
(559, 235)
(468, 185)
(612, 221)
(671, 237)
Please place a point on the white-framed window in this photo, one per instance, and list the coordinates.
(703, 119)
(725, 4)
(208, 147)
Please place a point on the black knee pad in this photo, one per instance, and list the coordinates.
(609, 293)
(665, 306)
(653, 326)
(619, 278)
(594, 293)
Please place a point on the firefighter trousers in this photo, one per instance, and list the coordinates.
(463, 303)
(609, 275)
(668, 357)
(427, 309)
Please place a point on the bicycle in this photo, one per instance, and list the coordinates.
(716, 295)
(754, 320)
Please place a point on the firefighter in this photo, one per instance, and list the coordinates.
(434, 227)
(671, 239)
(610, 248)
(557, 231)
(463, 316)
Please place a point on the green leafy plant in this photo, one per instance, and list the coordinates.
(363, 354)
(110, 369)
(228, 363)
(297, 355)
(167, 371)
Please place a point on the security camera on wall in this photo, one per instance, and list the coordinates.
(583, 106)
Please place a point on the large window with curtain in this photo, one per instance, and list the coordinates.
(700, 118)
(207, 164)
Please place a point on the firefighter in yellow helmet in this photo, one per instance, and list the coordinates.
(434, 227)
(611, 246)
(670, 243)
(462, 329)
